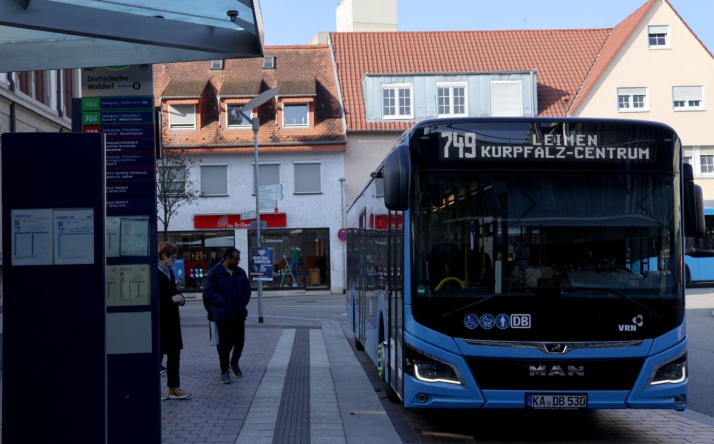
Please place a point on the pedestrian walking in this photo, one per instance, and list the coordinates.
(226, 294)
(170, 339)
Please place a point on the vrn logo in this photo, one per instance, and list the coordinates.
(636, 322)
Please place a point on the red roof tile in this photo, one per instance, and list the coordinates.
(306, 70)
(562, 59)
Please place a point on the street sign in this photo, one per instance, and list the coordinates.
(245, 215)
(254, 225)
(276, 188)
(269, 196)
(267, 204)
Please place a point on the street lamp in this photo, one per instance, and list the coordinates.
(254, 103)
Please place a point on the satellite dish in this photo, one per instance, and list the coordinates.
(260, 99)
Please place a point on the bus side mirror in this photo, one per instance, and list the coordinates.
(396, 173)
(693, 213)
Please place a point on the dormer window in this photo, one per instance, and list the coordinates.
(216, 64)
(658, 37)
(235, 119)
(296, 115)
(269, 62)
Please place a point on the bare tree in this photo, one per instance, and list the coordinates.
(174, 189)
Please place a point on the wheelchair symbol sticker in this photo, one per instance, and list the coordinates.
(471, 321)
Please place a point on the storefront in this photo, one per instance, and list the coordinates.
(301, 258)
(198, 251)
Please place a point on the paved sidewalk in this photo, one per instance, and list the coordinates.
(301, 384)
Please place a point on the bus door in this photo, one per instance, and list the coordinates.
(395, 308)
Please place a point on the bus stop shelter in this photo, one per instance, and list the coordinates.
(57, 34)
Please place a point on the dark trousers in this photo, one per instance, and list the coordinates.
(173, 359)
(231, 337)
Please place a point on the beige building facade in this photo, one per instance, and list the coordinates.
(661, 72)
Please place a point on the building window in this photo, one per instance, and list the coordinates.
(182, 117)
(269, 62)
(397, 102)
(506, 98)
(67, 91)
(172, 180)
(632, 100)
(451, 100)
(214, 180)
(378, 187)
(216, 64)
(688, 98)
(706, 163)
(308, 178)
(296, 115)
(658, 37)
(268, 174)
(234, 118)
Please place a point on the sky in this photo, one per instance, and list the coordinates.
(292, 22)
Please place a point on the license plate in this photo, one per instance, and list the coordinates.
(556, 402)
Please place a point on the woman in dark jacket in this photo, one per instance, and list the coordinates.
(170, 340)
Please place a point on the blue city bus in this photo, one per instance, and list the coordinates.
(699, 251)
(490, 264)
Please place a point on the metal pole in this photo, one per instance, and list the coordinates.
(256, 126)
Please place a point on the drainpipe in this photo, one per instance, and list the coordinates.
(13, 118)
(344, 244)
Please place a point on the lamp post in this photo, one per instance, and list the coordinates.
(255, 124)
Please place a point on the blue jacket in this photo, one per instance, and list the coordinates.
(226, 296)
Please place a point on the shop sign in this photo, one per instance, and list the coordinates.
(227, 221)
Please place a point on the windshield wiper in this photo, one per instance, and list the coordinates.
(618, 293)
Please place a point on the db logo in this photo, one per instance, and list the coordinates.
(520, 321)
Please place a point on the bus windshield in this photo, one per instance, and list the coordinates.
(573, 235)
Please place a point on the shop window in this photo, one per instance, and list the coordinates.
(198, 252)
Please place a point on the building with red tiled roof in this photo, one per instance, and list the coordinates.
(301, 140)
(528, 73)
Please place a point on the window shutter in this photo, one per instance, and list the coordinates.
(506, 99)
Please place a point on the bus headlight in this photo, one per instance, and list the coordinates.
(672, 372)
(428, 369)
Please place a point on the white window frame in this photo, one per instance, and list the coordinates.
(243, 125)
(688, 98)
(216, 65)
(307, 178)
(506, 98)
(662, 36)
(263, 176)
(182, 117)
(633, 95)
(206, 185)
(450, 88)
(176, 187)
(400, 92)
(305, 124)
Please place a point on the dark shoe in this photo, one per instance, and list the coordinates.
(226, 378)
(177, 393)
(163, 369)
(236, 371)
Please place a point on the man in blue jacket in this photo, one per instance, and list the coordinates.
(226, 293)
